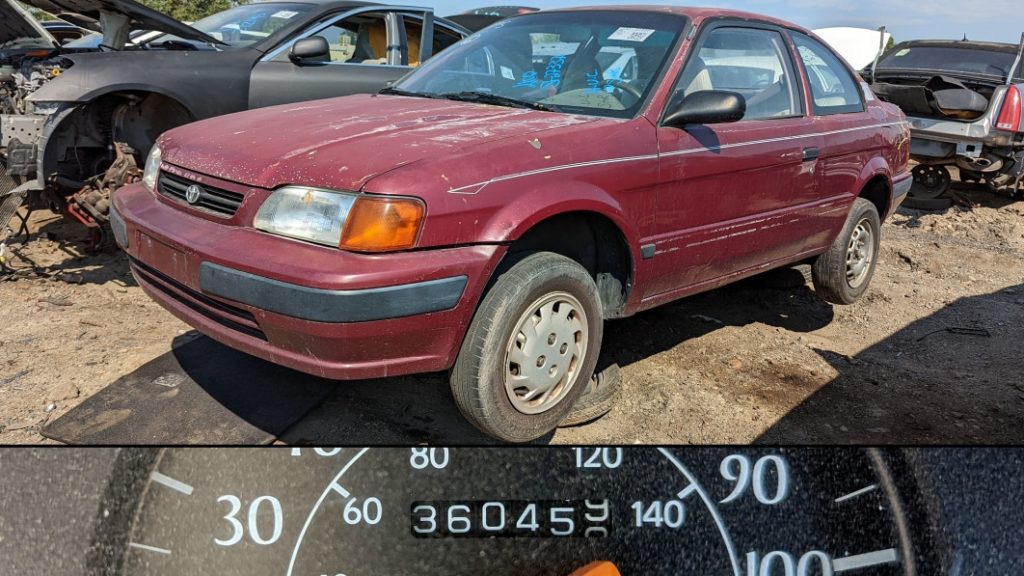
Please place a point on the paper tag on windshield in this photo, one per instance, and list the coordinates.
(508, 73)
(903, 52)
(631, 34)
(286, 14)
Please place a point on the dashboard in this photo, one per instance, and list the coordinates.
(534, 511)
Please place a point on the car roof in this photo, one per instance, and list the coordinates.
(694, 13)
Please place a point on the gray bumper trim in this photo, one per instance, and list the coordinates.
(902, 188)
(118, 227)
(331, 306)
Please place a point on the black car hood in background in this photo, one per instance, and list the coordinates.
(18, 29)
(142, 18)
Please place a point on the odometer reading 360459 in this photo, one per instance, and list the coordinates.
(518, 511)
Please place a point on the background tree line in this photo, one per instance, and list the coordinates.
(183, 10)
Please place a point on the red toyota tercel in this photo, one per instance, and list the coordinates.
(489, 212)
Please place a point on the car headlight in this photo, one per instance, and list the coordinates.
(152, 171)
(358, 222)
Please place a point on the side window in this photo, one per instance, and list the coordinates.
(750, 61)
(443, 38)
(361, 39)
(833, 89)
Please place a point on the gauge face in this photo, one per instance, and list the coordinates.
(518, 511)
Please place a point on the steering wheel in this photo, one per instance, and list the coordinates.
(626, 87)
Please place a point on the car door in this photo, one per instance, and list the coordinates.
(369, 47)
(850, 135)
(733, 197)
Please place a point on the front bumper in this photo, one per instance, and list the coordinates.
(319, 310)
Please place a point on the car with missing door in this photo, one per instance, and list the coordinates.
(488, 213)
(77, 121)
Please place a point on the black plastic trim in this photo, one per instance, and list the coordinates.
(119, 228)
(331, 306)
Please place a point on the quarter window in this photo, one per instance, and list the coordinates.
(833, 88)
(750, 61)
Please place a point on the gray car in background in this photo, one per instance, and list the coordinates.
(964, 103)
(76, 122)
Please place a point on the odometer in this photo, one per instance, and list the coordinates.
(515, 511)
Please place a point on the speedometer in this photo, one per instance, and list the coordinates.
(514, 511)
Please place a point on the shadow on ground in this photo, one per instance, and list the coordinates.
(73, 262)
(420, 408)
(205, 393)
(954, 377)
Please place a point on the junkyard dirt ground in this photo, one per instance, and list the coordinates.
(764, 360)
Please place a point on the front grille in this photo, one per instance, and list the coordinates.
(222, 313)
(211, 200)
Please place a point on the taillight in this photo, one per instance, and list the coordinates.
(1009, 115)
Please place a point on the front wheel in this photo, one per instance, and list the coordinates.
(842, 275)
(531, 348)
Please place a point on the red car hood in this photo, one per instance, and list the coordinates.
(343, 143)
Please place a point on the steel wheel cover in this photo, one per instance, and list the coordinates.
(545, 352)
(859, 254)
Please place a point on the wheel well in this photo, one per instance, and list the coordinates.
(592, 240)
(81, 146)
(877, 192)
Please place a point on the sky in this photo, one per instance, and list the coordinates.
(994, 20)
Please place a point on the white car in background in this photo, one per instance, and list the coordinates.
(859, 46)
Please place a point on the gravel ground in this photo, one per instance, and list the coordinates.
(931, 355)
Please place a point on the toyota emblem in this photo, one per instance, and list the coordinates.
(192, 194)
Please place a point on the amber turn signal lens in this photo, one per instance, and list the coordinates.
(382, 224)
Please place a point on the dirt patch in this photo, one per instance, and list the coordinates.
(931, 355)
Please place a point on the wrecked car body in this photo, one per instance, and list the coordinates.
(489, 211)
(76, 123)
(964, 103)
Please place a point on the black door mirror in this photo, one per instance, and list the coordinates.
(706, 107)
(312, 49)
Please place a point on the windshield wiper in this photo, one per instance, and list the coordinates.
(399, 92)
(498, 100)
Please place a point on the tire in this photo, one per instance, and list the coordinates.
(602, 392)
(928, 204)
(486, 377)
(835, 279)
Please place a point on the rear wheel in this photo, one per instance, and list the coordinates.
(531, 348)
(931, 187)
(842, 275)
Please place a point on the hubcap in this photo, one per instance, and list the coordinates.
(859, 254)
(545, 352)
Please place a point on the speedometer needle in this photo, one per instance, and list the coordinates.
(597, 569)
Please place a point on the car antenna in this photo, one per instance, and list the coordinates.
(881, 47)
(1016, 62)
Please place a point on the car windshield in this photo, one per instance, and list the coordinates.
(245, 25)
(966, 59)
(596, 62)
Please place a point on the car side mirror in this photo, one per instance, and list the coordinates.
(312, 49)
(706, 107)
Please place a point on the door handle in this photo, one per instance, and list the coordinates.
(811, 154)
